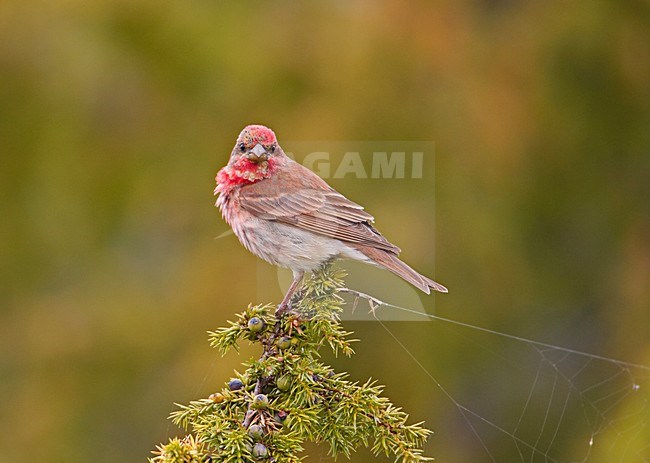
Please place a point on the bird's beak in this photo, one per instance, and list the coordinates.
(257, 154)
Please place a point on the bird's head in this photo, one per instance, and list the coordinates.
(256, 144)
(255, 155)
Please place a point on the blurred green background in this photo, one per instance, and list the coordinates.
(116, 115)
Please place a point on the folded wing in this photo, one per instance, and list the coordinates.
(324, 212)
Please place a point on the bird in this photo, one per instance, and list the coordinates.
(285, 214)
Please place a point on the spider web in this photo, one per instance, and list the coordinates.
(561, 405)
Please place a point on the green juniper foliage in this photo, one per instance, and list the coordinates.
(288, 396)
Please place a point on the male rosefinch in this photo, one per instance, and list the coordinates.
(289, 216)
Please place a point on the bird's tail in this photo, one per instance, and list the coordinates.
(391, 262)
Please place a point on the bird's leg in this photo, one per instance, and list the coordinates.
(295, 284)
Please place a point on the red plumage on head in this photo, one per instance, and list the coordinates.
(254, 134)
(241, 171)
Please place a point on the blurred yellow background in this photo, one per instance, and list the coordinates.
(116, 115)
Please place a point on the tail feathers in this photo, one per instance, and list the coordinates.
(391, 262)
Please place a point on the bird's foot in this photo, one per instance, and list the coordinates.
(283, 308)
(290, 304)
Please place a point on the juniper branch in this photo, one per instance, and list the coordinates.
(288, 396)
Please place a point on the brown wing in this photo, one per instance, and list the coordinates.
(322, 211)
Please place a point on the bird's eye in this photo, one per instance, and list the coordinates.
(242, 147)
(272, 149)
